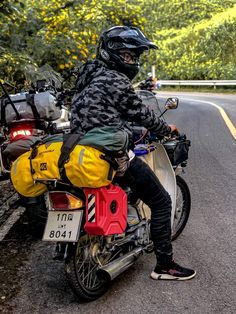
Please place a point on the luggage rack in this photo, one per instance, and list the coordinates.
(51, 182)
(45, 181)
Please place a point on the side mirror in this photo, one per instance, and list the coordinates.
(172, 103)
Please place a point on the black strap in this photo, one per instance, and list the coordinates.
(11, 102)
(3, 113)
(113, 165)
(30, 101)
(69, 143)
(34, 153)
(111, 161)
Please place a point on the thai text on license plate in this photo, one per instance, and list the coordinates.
(63, 226)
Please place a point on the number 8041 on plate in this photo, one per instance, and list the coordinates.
(63, 226)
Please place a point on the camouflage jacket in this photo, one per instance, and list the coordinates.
(106, 97)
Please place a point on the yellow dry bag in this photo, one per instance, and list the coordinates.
(82, 166)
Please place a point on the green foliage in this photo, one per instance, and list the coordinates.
(196, 38)
(202, 51)
(62, 34)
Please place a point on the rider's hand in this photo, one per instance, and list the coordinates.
(174, 129)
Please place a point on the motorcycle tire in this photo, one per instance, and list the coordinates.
(36, 211)
(81, 271)
(183, 206)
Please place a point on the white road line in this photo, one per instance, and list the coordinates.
(11, 220)
(224, 115)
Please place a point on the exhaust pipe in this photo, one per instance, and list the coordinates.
(118, 266)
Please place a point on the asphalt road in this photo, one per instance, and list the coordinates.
(207, 244)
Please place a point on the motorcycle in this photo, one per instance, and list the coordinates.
(101, 232)
(23, 123)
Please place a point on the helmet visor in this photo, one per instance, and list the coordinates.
(129, 57)
(131, 37)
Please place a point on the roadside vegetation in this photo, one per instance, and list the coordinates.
(196, 38)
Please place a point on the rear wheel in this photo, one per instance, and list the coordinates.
(36, 211)
(182, 209)
(82, 266)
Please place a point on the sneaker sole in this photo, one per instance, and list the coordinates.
(156, 276)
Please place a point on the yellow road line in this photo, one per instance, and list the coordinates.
(224, 115)
(227, 120)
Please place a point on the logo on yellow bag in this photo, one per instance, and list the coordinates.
(43, 166)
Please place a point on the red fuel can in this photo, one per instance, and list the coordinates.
(106, 210)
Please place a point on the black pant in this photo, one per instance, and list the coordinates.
(146, 186)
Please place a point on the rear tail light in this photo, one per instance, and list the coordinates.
(64, 201)
(21, 129)
(18, 133)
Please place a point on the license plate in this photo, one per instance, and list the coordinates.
(63, 226)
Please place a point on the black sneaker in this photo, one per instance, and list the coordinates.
(172, 271)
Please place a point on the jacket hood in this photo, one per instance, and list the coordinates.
(88, 72)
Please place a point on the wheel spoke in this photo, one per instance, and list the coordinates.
(80, 263)
(89, 272)
(88, 275)
(86, 263)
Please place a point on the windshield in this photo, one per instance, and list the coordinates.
(150, 100)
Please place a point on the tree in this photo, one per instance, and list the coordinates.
(196, 38)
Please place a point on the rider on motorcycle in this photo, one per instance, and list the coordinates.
(148, 84)
(105, 96)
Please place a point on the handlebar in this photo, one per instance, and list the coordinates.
(143, 136)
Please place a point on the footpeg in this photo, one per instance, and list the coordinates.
(149, 248)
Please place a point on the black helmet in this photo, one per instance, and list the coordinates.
(118, 38)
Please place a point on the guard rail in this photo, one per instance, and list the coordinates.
(197, 82)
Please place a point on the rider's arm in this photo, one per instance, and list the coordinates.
(133, 109)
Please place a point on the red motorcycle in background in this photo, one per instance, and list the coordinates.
(25, 118)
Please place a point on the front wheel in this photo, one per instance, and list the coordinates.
(182, 209)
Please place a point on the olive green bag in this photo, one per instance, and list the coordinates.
(109, 139)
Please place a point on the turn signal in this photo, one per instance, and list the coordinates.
(64, 201)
